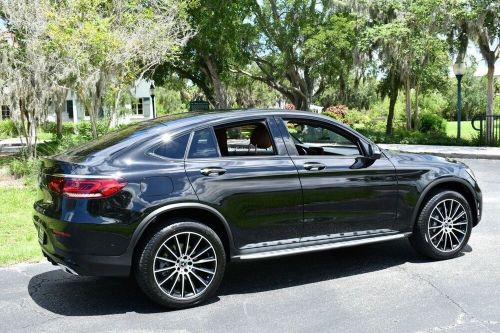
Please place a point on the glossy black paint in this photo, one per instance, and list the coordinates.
(259, 203)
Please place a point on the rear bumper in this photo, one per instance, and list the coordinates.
(65, 244)
(88, 265)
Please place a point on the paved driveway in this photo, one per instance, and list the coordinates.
(375, 288)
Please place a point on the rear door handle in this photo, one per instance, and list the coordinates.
(213, 171)
(314, 166)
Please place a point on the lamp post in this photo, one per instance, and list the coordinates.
(152, 94)
(459, 70)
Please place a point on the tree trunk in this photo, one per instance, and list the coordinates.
(219, 90)
(114, 112)
(408, 102)
(96, 105)
(32, 120)
(58, 122)
(59, 108)
(392, 103)
(415, 117)
(22, 115)
(489, 105)
(343, 89)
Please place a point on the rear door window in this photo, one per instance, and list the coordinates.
(203, 144)
(247, 139)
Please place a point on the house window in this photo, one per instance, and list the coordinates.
(69, 108)
(137, 106)
(5, 112)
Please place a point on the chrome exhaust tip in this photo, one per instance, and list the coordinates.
(67, 269)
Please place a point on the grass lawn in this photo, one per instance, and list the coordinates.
(18, 238)
(467, 132)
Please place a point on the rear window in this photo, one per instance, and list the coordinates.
(174, 148)
(120, 139)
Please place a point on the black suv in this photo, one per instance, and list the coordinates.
(172, 200)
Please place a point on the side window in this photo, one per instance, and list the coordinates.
(248, 139)
(203, 145)
(311, 138)
(173, 148)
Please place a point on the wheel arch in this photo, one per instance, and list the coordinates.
(452, 184)
(205, 214)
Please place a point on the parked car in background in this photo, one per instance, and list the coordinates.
(172, 200)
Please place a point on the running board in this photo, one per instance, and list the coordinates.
(320, 247)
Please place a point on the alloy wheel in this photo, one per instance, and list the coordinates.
(185, 265)
(447, 225)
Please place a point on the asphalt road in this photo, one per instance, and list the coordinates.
(382, 287)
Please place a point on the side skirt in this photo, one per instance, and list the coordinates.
(319, 247)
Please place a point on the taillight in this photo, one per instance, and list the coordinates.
(85, 188)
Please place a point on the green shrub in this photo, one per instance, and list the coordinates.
(404, 136)
(431, 122)
(51, 127)
(356, 117)
(84, 129)
(20, 167)
(8, 128)
(48, 127)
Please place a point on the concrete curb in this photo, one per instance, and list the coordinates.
(488, 153)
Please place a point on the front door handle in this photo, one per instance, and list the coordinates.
(314, 166)
(213, 171)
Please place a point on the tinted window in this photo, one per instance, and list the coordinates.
(316, 139)
(121, 139)
(248, 139)
(174, 148)
(203, 145)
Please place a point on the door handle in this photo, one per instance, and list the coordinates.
(314, 166)
(213, 171)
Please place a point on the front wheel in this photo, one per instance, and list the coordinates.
(181, 265)
(443, 227)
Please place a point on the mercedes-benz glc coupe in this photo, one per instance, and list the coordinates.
(172, 200)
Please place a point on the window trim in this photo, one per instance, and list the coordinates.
(331, 126)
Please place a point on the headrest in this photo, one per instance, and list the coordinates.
(260, 137)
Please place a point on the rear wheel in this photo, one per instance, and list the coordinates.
(443, 227)
(181, 265)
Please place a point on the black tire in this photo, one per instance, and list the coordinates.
(180, 232)
(428, 233)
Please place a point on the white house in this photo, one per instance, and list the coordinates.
(141, 107)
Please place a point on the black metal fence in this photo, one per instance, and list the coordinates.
(479, 124)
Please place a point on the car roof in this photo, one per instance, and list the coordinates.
(195, 119)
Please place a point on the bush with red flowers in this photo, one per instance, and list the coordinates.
(338, 112)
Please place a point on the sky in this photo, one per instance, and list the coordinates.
(482, 68)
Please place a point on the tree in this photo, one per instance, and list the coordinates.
(404, 36)
(30, 73)
(479, 20)
(109, 44)
(300, 47)
(221, 33)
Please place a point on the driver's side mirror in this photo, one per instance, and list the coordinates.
(374, 152)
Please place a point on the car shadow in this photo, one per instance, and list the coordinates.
(69, 295)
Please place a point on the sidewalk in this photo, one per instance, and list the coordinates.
(13, 145)
(490, 153)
